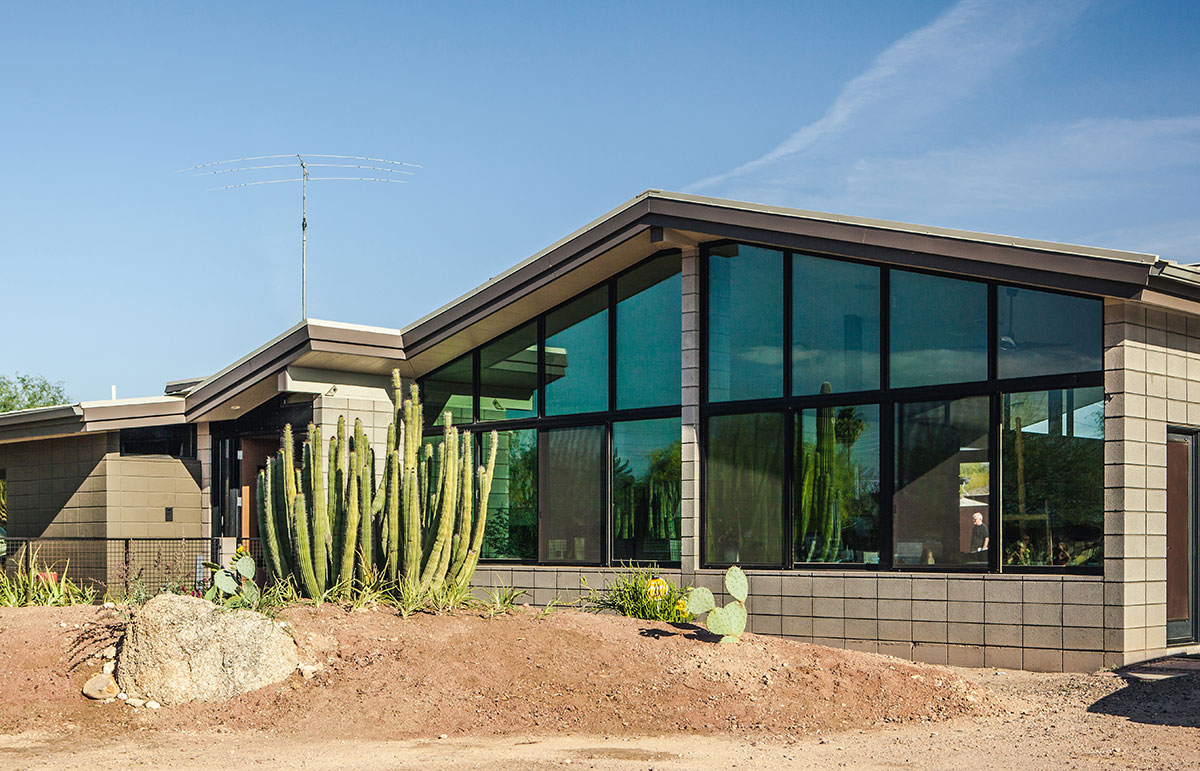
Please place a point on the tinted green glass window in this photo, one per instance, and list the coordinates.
(943, 480)
(938, 330)
(745, 323)
(649, 334)
(836, 489)
(510, 531)
(574, 475)
(449, 388)
(646, 474)
(508, 376)
(744, 489)
(1053, 477)
(835, 325)
(577, 356)
(1042, 333)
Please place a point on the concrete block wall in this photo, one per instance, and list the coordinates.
(58, 487)
(141, 487)
(1044, 623)
(376, 413)
(1152, 380)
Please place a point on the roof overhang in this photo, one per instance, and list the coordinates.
(311, 345)
(90, 417)
(657, 220)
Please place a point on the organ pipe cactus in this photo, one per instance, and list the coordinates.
(334, 524)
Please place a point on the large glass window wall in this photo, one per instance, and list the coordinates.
(585, 400)
(930, 422)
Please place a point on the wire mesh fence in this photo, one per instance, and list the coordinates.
(125, 566)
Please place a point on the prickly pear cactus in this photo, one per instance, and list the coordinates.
(729, 621)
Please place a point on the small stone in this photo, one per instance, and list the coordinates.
(309, 670)
(152, 704)
(110, 652)
(109, 667)
(136, 702)
(100, 686)
(63, 624)
(122, 696)
(443, 736)
(109, 605)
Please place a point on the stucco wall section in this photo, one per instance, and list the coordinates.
(57, 487)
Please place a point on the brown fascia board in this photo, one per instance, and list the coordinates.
(269, 360)
(132, 413)
(264, 362)
(1040, 263)
(559, 258)
(1090, 270)
(41, 423)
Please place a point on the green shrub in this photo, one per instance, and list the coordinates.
(629, 595)
(36, 583)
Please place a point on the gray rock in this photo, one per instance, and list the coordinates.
(179, 649)
(135, 702)
(100, 686)
(152, 704)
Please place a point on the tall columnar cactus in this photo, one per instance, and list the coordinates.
(333, 523)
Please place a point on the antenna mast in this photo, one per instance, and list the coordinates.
(303, 240)
(224, 167)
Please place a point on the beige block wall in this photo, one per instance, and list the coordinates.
(141, 487)
(57, 487)
(1152, 379)
(375, 413)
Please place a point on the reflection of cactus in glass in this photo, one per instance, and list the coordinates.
(818, 524)
(347, 527)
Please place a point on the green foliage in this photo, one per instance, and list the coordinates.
(340, 528)
(24, 392)
(36, 583)
(730, 621)
(628, 595)
(501, 600)
(233, 587)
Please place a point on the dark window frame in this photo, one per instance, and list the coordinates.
(887, 398)
(173, 433)
(542, 422)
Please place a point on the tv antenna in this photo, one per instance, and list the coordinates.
(380, 166)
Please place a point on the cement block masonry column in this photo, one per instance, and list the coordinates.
(204, 453)
(690, 401)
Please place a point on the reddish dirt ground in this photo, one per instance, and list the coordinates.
(603, 691)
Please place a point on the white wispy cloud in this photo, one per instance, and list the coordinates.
(921, 74)
(882, 148)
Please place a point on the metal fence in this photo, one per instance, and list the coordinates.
(125, 565)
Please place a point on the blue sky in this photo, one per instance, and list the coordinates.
(1069, 120)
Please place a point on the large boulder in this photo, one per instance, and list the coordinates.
(180, 649)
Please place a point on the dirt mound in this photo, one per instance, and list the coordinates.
(383, 677)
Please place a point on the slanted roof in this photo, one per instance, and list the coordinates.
(651, 222)
(656, 220)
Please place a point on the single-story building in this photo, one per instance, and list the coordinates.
(938, 444)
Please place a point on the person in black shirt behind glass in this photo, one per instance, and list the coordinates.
(980, 536)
